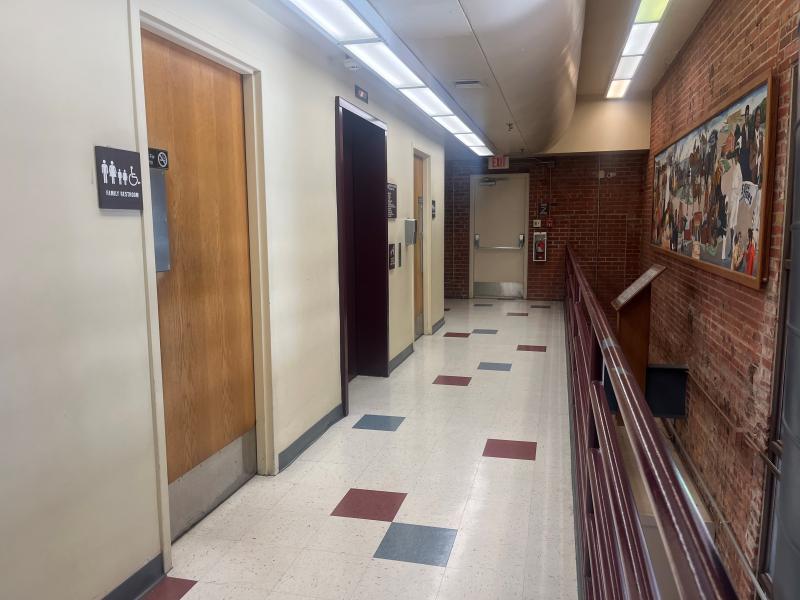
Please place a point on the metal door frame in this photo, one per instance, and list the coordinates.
(473, 186)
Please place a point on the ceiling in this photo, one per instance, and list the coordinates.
(532, 57)
(525, 53)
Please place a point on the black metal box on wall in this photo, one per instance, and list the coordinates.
(665, 391)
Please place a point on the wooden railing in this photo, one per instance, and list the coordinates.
(615, 559)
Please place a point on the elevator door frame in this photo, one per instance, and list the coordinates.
(342, 106)
(173, 28)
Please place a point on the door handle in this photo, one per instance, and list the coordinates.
(521, 240)
(477, 240)
(520, 244)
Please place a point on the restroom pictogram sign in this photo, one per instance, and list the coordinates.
(119, 178)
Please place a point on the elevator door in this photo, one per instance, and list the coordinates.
(195, 112)
(500, 221)
(419, 204)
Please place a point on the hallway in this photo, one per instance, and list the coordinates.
(451, 520)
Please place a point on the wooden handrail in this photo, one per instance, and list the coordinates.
(693, 558)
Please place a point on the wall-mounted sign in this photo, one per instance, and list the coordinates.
(391, 256)
(544, 209)
(362, 94)
(537, 222)
(158, 158)
(391, 195)
(119, 178)
(539, 246)
(399, 255)
(433, 209)
(498, 162)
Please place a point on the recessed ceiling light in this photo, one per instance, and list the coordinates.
(482, 151)
(627, 67)
(618, 88)
(470, 139)
(336, 18)
(639, 38)
(378, 57)
(453, 124)
(427, 101)
(651, 11)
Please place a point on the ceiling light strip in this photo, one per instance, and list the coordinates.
(349, 30)
(648, 17)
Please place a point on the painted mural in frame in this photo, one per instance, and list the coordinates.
(712, 188)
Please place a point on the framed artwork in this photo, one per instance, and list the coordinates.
(712, 187)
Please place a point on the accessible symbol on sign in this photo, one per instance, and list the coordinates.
(498, 162)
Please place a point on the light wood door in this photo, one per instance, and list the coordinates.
(195, 112)
(419, 213)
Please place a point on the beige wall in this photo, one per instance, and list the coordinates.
(78, 480)
(600, 125)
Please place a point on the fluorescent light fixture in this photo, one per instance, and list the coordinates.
(453, 124)
(378, 57)
(336, 18)
(618, 88)
(639, 38)
(627, 67)
(470, 139)
(651, 11)
(427, 101)
(482, 151)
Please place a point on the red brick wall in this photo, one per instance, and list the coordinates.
(608, 248)
(723, 331)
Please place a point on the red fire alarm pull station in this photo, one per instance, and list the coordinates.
(539, 246)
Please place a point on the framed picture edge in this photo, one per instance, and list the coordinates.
(756, 281)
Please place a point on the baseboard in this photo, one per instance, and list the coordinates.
(398, 360)
(437, 326)
(297, 447)
(140, 582)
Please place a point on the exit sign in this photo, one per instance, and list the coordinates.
(498, 162)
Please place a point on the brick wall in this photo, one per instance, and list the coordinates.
(725, 332)
(600, 219)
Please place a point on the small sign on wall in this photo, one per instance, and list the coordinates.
(391, 256)
(118, 174)
(498, 162)
(391, 194)
(433, 209)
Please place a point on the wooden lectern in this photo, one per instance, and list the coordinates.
(633, 322)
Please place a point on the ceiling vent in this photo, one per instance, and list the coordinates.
(468, 84)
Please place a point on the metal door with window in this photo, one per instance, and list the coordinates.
(499, 234)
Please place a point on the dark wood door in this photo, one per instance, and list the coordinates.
(195, 112)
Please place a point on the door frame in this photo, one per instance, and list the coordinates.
(473, 180)
(173, 28)
(425, 241)
(341, 105)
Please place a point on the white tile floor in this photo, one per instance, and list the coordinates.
(274, 538)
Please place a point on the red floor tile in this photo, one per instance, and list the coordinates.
(526, 348)
(517, 314)
(452, 380)
(369, 504)
(169, 588)
(510, 449)
(457, 334)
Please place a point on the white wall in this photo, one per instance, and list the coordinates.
(78, 479)
(78, 510)
(600, 125)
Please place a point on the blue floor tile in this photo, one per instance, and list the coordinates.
(490, 366)
(485, 331)
(379, 422)
(417, 544)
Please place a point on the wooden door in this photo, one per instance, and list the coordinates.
(419, 212)
(195, 112)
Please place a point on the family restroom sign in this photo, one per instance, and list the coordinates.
(119, 178)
